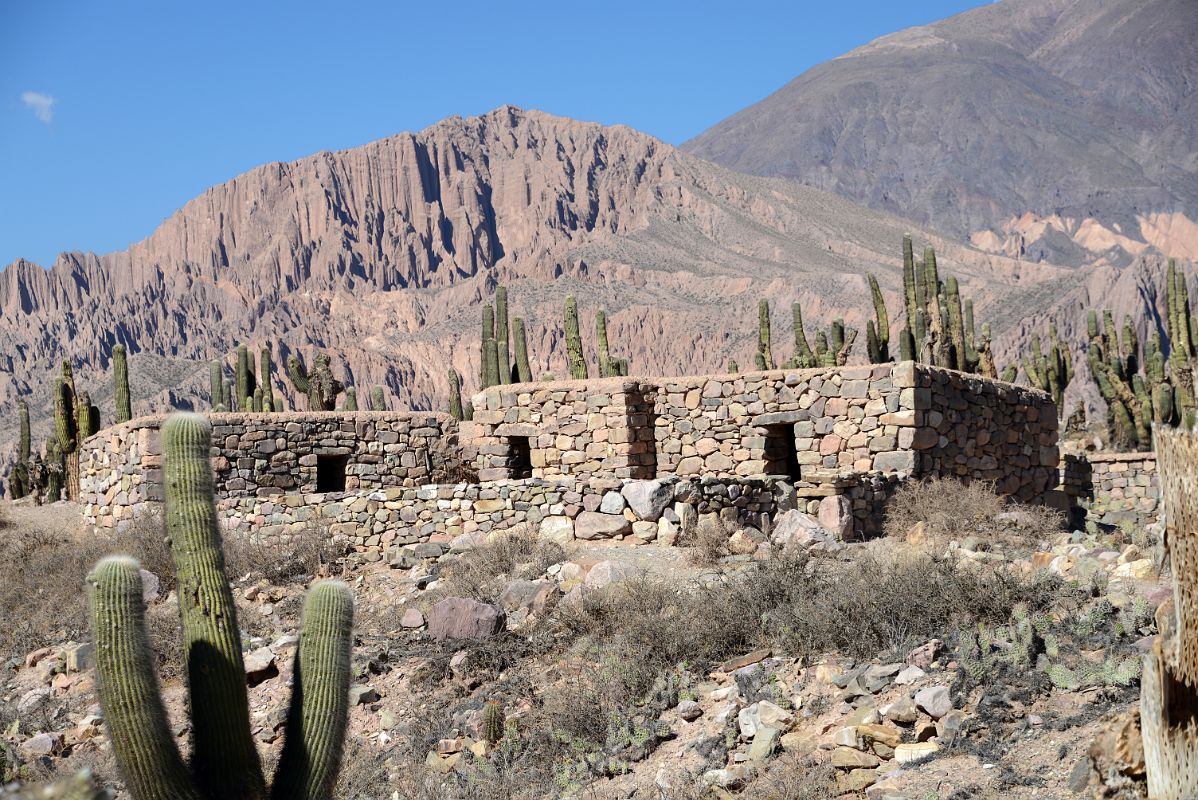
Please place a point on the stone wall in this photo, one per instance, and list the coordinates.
(804, 425)
(1112, 488)
(271, 454)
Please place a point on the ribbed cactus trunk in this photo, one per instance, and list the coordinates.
(66, 426)
(765, 353)
(933, 313)
(502, 357)
(351, 399)
(20, 474)
(523, 371)
(956, 325)
(605, 365)
(804, 357)
(378, 399)
(910, 297)
(216, 386)
(879, 353)
(455, 395)
(319, 384)
(489, 352)
(245, 384)
(575, 357)
(225, 762)
(120, 377)
(266, 379)
(1169, 685)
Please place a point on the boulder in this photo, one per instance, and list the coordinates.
(796, 531)
(149, 586)
(927, 653)
(836, 516)
(648, 499)
(526, 596)
(412, 618)
(605, 573)
(594, 525)
(464, 618)
(260, 666)
(612, 503)
(557, 529)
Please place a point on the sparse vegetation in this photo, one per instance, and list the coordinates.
(949, 509)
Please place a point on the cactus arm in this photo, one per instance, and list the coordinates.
(297, 373)
(803, 354)
(455, 395)
(378, 399)
(882, 330)
(137, 723)
(319, 710)
(605, 365)
(224, 760)
(523, 372)
(764, 344)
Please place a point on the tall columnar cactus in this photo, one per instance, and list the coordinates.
(351, 399)
(608, 367)
(66, 427)
(490, 350)
(502, 346)
(245, 373)
(523, 371)
(940, 327)
(1115, 365)
(266, 379)
(1050, 371)
(259, 399)
(319, 385)
(493, 722)
(55, 470)
(877, 333)
(216, 386)
(455, 396)
(804, 356)
(20, 472)
(87, 417)
(378, 399)
(224, 762)
(1170, 674)
(575, 357)
(120, 377)
(765, 352)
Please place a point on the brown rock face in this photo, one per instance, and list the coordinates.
(383, 254)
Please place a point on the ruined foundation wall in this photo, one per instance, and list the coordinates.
(1113, 488)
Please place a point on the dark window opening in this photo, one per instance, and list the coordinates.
(330, 473)
(781, 457)
(520, 456)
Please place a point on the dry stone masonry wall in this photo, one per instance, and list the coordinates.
(1113, 488)
(622, 458)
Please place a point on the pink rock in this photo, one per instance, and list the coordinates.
(464, 618)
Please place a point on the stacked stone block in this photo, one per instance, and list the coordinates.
(1113, 488)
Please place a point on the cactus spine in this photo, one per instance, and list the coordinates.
(576, 359)
(502, 357)
(523, 372)
(120, 376)
(224, 761)
(455, 396)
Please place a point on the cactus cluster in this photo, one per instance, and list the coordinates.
(940, 327)
(318, 384)
(877, 330)
(831, 348)
(502, 341)
(1144, 388)
(75, 419)
(224, 760)
(1050, 371)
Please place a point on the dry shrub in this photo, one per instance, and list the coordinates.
(950, 509)
(145, 540)
(42, 597)
(483, 572)
(311, 551)
(710, 541)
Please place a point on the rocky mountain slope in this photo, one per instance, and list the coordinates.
(383, 255)
(1062, 130)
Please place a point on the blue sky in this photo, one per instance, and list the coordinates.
(114, 114)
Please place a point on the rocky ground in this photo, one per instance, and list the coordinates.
(928, 664)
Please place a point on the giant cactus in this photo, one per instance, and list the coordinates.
(378, 399)
(940, 328)
(877, 332)
(20, 472)
(120, 377)
(608, 367)
(216, 386)
(66, 427)
(489, 361)
(575, 357)
(224, 761)
(832, 349)
(502, 346)
(266, 380)
(245, 374)
(523, 371)
(765, 352)
(319, 384)
(1050, 371)
(455, 396)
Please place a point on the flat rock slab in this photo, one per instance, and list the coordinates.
(464, 618)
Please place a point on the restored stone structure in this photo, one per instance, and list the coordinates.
(260, 455)
(799, 424)
(625, 458)
(1112, 488)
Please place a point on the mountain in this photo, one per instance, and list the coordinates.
(1056, 130)
(383, 255)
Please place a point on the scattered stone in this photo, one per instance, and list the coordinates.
(689, 710)
(764, 744)
(926, 654)
(934, 701)
(648, 499)
(902, 711)
(412, 618)
(260, 666)
(42, 745)
(906, 753)
(363, 695)
(836, 516)
(149, 586)
(595, 525)
(909, 675)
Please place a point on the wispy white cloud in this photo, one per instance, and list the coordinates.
(42, 105)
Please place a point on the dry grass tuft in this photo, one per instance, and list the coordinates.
(482, 573)
(950, 509)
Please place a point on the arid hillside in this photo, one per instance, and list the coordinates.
(383, 255)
